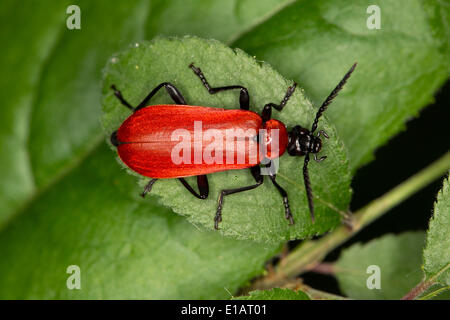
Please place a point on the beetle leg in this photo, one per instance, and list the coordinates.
(119, 96)
(173, 92)
(266, 114)
(309, 194)
(256, 173)
(148, 187)
(244, 98)
(203, 187)
(267, 111)
(283, 193)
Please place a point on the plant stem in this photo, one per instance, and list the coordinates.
(321, 295)
(324, 268)
(425, 284)
(310, 253)
(418, 290)
(297, 284)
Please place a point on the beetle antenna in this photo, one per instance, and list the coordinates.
(332, 95)
(308, 186)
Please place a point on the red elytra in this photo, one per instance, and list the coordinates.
(177, 141)
(152, 140)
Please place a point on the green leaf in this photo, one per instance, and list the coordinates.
(436, 254)
(125, 247)
(51, 92)
(21, 62)
(275, 294)
(225, 20)
(49, 125)
(397, 256)
(400, 66)
(50, 95)
(436, 292)
(257, 214)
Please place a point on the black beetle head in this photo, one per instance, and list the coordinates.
(302, 141)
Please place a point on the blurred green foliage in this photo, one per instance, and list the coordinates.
(63, 198)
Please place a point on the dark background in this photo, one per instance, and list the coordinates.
(425, 139)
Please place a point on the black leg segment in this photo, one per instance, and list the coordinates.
(266, 114)
(309, 194)
(244, 98)
(256, 173)
(283, 193)
(173, 92)
(203, 187)
(119, 96)
(148, 187)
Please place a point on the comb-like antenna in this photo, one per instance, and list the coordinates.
(330, 98)
(308, 186)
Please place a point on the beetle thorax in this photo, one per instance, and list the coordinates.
(275, 139)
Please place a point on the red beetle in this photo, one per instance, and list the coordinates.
(177, 141)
